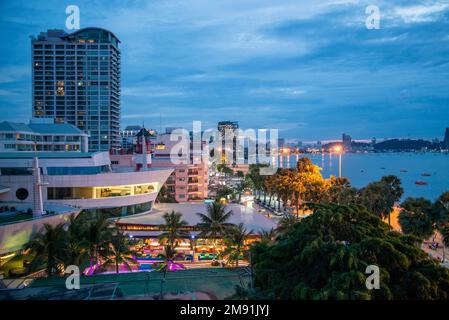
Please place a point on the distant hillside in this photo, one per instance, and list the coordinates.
(403, 144)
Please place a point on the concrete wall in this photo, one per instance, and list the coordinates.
(14, 236)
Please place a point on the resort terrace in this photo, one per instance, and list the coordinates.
(150, 225)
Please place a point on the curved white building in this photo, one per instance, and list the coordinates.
(81, 179)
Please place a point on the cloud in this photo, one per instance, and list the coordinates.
(10, 92)
(293, 91)
(420, 13)
(10, 74)
(310, 68)
(151, 91)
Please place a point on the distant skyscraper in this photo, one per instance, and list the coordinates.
(347, 141)
(446, 138)
(228, 126)
(76, 80)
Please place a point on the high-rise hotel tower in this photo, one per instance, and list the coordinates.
(76, 80)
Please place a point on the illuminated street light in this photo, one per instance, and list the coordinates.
(339, 150)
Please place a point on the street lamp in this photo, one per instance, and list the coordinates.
(339, 150)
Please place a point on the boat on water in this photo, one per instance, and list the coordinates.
(424, 174)
(404, 170)
(421, 183)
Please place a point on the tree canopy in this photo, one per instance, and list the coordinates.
(326, 254)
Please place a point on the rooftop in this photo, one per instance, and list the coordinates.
(41, 128)
(93, 33)
(248, 216)
(46, 155)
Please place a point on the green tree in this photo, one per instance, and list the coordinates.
(225, 170)
(325, 257)
(48, 247)
(379, 197)
(415, 217)
(117, 252)
(224, 191)
(257, 180)
(215, 222)
(96, 234)
(174, 229)
(234, 241)
(240, 188)
(445, 235)
(440, 213)
(307, 183)
(287, 223)
(339, 191)
(267, 236)
(75, 249)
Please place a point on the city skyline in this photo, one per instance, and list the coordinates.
(313, 72)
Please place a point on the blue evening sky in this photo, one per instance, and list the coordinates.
(309, 68)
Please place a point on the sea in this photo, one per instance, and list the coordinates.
(363, 168)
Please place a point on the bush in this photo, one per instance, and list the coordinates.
(215, 263)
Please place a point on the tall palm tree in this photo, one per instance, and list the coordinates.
(240, 188)
(173, 229)
(235, 243)
(96, 234)
(118, 252)
(75, 251)
(214, 222)
(48, 247)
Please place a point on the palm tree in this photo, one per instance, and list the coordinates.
(48, 247)
(235, 243)
(256, 178)
(380, 196)
(240, 188)
(173, 229)
(75, 251)
(118, 252)
(267, 236)
(96, 234)
(214, 221)
(415, 218)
